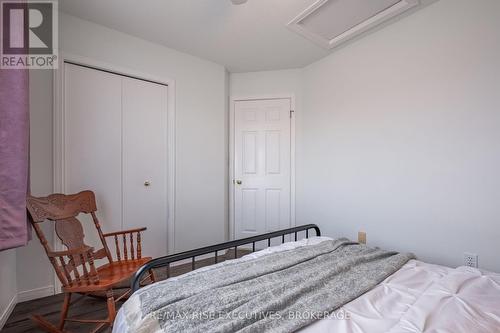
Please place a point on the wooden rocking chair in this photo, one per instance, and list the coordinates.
(75, 267)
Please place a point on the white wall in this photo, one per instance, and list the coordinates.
(201, 139)
(8, 285)
(266, 83)
(401, 135)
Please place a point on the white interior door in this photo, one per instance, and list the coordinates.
(115, 144)
(262, 170)
(145, 162)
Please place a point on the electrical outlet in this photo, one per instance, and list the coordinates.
(362, 237)
(470, 259)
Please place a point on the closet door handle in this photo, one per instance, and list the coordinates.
(147, 183)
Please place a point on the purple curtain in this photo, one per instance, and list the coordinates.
(14, 157)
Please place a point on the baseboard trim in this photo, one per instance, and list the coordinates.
(28, 295)
(8, 311)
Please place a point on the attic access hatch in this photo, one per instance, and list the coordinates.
(332, 22)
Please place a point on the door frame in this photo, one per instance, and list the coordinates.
(293, 111)
(59, 176)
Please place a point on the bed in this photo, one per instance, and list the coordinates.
(298, 286)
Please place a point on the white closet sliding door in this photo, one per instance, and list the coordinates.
(145, 162)
(92, 143)
(115, 144)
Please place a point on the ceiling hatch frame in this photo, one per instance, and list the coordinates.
(380, 17)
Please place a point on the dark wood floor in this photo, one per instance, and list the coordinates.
(88, 307)
(19, 320)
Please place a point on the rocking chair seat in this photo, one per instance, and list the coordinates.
(111, 274)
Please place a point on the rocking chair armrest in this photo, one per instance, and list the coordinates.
(81, 250)
(123, 232)
(124, 251)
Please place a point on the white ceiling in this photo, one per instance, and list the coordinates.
(248, 37)
(244, 38)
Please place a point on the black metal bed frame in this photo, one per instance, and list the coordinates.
(192, 254)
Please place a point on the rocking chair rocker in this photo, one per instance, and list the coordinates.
(75, 267)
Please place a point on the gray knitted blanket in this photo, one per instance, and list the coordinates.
(279, 292)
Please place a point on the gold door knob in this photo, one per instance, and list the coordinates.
(239, 182)
(147, 183)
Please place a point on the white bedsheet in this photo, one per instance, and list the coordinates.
(419, 297)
